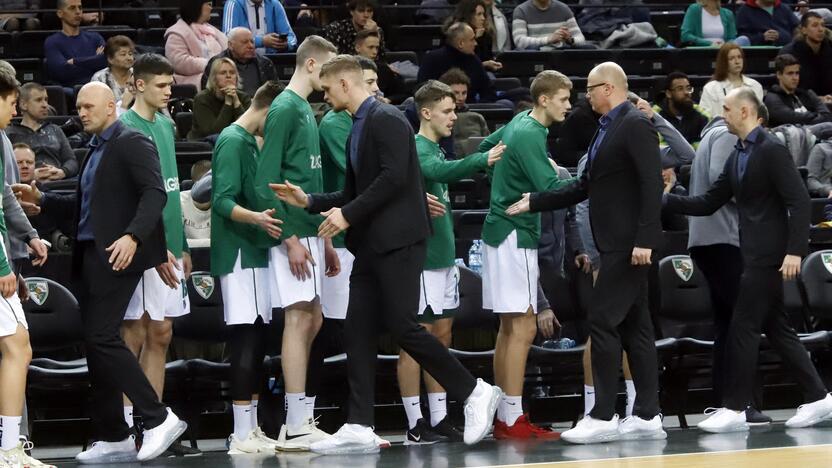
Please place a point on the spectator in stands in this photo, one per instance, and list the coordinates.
(220, 103)
(19, 21)
(25, 158)
(813, 49)
(119, 51)
(468, 123)
(55, 158)
(472, 12)
(790, 104)
(544, 25)
(766, 22)
(390, 83)
(192, 41)
(678, 108)
(820, 170)
(267, 21)
(128, 95)
(706, 23)
(727, 76)
(342, 32)
(433, 11)
(73, 55)
(197, 216)
(458, 52)
(253, 67)
(501, 31)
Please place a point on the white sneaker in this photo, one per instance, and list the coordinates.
(250, 444)
(109, 452)
(158, 439)
(18, 458)
(265, 440)
(812, 413)
(479, 411)
(382, 443)
(633, 428)
(350, 438)
(723, 420)
(592, 431)
(300, 440)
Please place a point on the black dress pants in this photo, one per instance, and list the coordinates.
(759, 309)
(619, 318)
(384, 293)
(113, 368)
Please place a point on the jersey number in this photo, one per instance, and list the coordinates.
(315, 162)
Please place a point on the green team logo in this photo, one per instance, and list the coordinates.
(683, 268)
(171, 184)
(204, 284)
(38, 290)
(827, 261)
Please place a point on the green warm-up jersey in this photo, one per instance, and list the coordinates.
(161, 133)
(233, 170)
(438, 173)
(524, 167)
(291, 152)
(334, 130)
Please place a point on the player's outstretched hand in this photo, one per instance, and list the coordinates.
(521, 206)
(291, 194)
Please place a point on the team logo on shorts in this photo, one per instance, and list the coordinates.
(683, 268)
(204, 284)
(38, 290)
(827, 261)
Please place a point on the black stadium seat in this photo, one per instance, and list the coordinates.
(522, 62)
(30, 43)
(184, 122)
(108, 32)
(816, 277)
(6, 44)
(28, 69)
(578, 62)
(646, 61)
(57, 99)
(418, 38)
(284, 64)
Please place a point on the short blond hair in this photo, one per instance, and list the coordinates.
(341, 64)
(313, 47)
(549, 82)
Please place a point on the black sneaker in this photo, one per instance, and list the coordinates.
(755, 418)
(177, 449)
(445, 428)
(422, 435)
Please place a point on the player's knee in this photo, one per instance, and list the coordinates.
(18, 350)
(160, 334)
(442, 332)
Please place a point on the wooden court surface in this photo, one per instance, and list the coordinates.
(815, 456)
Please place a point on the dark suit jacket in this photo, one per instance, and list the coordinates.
(128, 197)
(624, 186)
(384, 197)
(772, 201)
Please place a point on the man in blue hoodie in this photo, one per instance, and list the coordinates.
(766, 22)
(267, 21)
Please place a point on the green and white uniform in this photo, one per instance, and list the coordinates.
(241, 265)
(152, 295)
(439, 293)
(510, 270)
(291, 152)
(11, 310)
(334, 130)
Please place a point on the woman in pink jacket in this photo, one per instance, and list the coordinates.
(192, 41)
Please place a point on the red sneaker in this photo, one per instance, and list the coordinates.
(500, 430)
(523, 429)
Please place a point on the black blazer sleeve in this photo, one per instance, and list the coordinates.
(789, 185)
(707, 203)
(643, 143)
(58, 202)
(142, 162)
(386, 141)
(572, 194)
(319, 202)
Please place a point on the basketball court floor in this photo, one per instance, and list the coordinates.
(774, 446)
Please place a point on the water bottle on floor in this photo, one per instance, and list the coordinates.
(475, 257)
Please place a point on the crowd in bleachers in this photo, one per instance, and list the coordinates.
(486, 51)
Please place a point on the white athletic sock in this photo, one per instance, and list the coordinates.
(513, 409)
(295, 410)
(501, 409)
(242, 421)
(310, 407)
(9, 432)
(437, 402)
(413, 409)
(631, 397)
(128, 415)
(254, 423)
(589, 399)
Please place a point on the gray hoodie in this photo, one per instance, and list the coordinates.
(714, 150)
(20, 230)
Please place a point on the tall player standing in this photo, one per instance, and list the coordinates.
(292, 151)
(242, 266)
(161, 294)
(510, 270)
